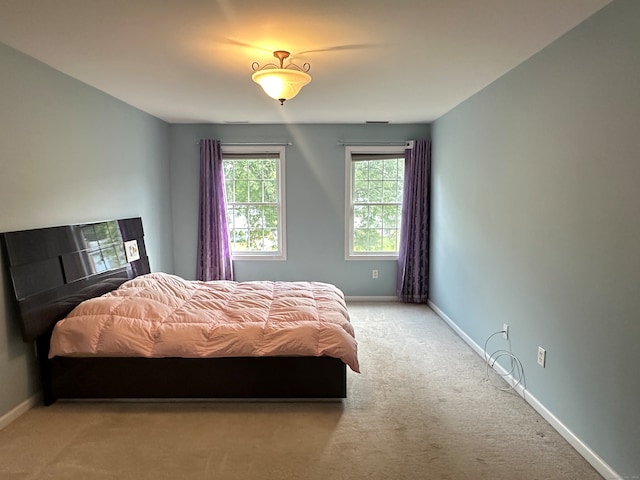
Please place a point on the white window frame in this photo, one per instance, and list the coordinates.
(349, 150)
(281, 254)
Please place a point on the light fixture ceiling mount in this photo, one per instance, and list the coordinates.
(281, 82)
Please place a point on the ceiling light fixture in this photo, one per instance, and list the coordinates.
(280, 82)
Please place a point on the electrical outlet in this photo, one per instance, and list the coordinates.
(542, 357)
(374, 273)
(505, 331)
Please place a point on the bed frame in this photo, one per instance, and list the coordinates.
(54, 269)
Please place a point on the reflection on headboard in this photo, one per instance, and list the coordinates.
(53, 269)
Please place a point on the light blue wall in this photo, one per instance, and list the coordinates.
(536, 223)
(71, 154)
(315, 203)
(536, 210)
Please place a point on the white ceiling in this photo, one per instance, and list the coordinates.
(189, 61)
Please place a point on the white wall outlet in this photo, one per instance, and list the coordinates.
(505, 331)
(542, 357)
(374, 273)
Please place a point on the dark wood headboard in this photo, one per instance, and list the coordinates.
(54, 269)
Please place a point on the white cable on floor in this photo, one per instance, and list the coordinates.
(517, 370)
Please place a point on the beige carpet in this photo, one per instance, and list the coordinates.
(422, 409)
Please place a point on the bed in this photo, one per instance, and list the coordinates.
(59, 274)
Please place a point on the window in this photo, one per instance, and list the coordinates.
(254, 189)
(375, 177)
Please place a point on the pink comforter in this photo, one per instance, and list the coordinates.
(162, 315)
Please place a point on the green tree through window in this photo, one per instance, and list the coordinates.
(375, 203)
(254, 207)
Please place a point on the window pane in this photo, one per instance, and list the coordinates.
(238, 239)
(271, 239)
(367, 240)
(359, 213)
(389, 191)
(270, 191)
(360, 171)
(255, 191)
(375, 192)
(360, 243)
(242, 170)
(271, 217)
(391, 216)
(254, 169)
(255, 238)
(241, 191)
(360, 191)
(390, 239)
(375, 169)
(270, 168)
(374, 241)
(254, 216)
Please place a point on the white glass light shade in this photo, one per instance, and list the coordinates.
(281, 83)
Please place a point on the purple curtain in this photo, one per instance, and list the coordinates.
(413, 254)
(214, 254)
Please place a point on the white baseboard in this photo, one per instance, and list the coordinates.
(371, 299)
(582, 448)
(21, 409)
